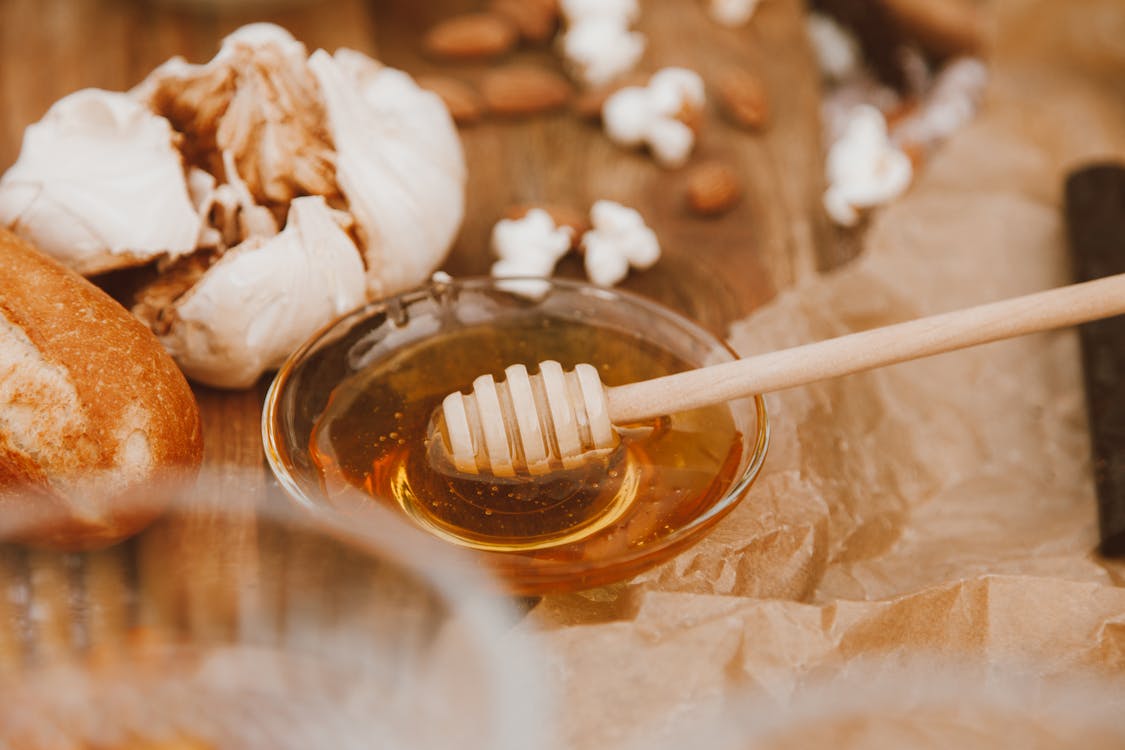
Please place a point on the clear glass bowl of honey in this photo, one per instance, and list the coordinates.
(351, 410)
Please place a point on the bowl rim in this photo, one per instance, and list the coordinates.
(678, 540)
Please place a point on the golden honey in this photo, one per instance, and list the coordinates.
(372, 434)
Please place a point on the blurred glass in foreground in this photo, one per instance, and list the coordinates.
(918, 703)
(237, 624)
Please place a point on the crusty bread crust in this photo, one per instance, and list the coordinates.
(92, 409)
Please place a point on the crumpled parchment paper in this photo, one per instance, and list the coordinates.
(942, 507)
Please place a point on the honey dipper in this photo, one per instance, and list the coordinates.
(559, 419)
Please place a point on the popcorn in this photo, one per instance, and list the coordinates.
(864, 168)
(598, 44)
(650, 115)
(837, 51)
(732, 12)
(530, 246)
(951, 102)
(623, 12)
(620, 239)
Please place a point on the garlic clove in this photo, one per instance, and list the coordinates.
(261, 299)
(83, 175)
(399, 165)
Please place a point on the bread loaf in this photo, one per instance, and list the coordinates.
(96, 420)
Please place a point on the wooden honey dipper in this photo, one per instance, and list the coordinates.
(535, 424)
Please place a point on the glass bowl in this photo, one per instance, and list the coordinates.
(381, 334)
(241, 625)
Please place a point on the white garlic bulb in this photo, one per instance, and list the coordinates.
(213, 169)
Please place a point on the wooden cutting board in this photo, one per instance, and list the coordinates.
(714, 270)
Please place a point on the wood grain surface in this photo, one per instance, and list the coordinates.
(714, 270)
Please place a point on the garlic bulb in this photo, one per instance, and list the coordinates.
(276, 188)
(83, 175)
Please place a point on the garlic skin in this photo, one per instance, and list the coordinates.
(864, 168)
(264, 297)
(83, 172)
(649, 115)
(399, 165)
(620, 239)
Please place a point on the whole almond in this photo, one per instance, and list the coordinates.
(471, 36)
(743, 97)
(535, 19)
(562, 215)
(462, 100)
(524, 90)
(712, 189)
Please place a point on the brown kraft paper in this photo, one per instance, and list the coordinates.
(940, 509)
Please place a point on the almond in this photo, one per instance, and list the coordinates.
(562, 215)
(535, 19)
(743, 97)
(712, 189)
(462, 100)
(471, 36)
(524, 90)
